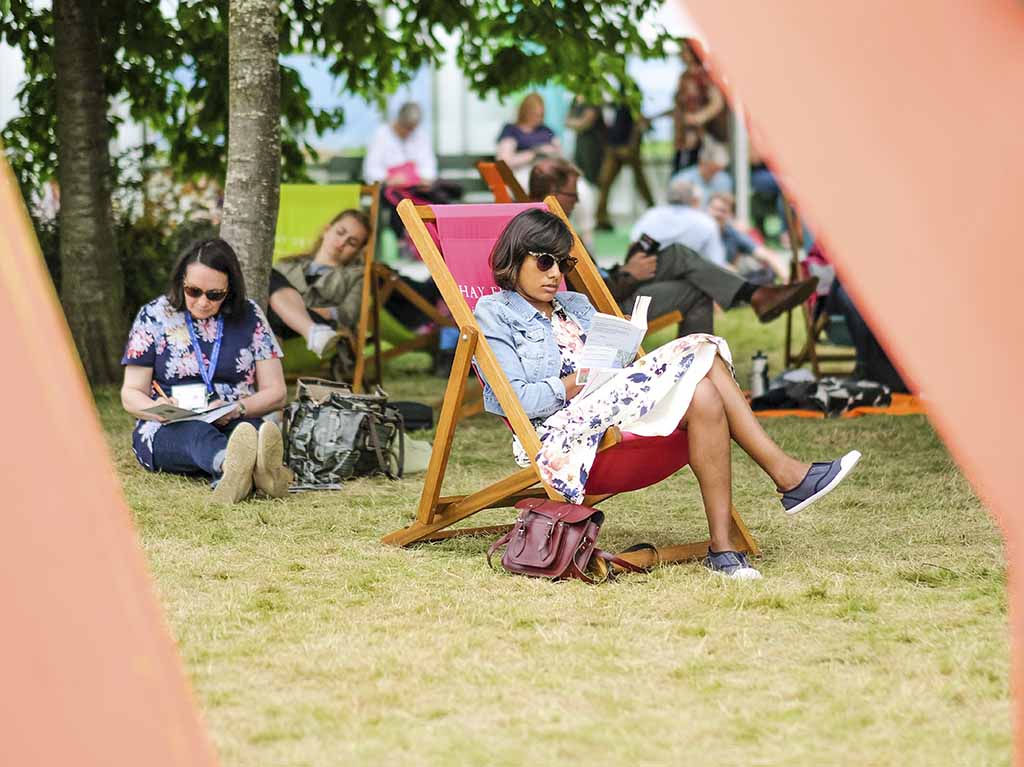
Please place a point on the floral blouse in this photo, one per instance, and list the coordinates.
(159, 339)
(570, 338)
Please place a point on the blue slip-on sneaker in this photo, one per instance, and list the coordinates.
(731, 564)
(821, 479)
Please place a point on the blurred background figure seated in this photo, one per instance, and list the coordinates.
(401, 156)
(750, 259)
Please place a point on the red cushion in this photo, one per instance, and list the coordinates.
(637, 462)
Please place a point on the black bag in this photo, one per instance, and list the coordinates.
(831, 396)
(415, 415)
(332, 435)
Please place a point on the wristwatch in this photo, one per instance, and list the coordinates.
(241, 408)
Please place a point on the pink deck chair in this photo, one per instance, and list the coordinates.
(456, 252)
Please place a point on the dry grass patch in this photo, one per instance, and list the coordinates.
(878, 635)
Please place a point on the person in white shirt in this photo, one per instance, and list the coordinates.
(679, 221)
(676, 275)
(401, 156)
(400, 153)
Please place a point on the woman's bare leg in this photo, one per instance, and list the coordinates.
(287, 303)
(785, 471)
(708, 436)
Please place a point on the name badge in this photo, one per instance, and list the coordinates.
(190, 396)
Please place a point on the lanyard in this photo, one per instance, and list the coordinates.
(207, 372)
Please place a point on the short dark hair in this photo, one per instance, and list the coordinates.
(551, 176)
(535, 229)
(214, 253)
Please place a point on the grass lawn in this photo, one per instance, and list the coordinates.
(877, 637)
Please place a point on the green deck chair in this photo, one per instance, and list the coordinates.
(303, 211)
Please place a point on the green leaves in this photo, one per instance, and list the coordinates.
(170, 70)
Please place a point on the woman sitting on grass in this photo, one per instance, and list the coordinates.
(537, 334)
(317, 295)
(205, 332)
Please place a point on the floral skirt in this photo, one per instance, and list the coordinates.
(648, 398)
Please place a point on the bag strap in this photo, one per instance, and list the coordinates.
(383, 465)
(502, 541)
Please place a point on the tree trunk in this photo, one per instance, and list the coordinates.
(254, 140)
(92, 286)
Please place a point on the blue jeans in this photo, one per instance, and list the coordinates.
(190, 447)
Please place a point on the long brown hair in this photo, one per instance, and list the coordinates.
(355, 213)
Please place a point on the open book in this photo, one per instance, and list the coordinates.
(612, 344)
(172, 414)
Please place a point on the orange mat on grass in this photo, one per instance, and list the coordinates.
(902, 404)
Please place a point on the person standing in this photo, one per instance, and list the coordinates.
(699, 109)
(625, 137)
(587, 121)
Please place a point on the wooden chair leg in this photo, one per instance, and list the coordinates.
(739, 536)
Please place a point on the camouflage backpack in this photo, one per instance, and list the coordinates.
(332, 435)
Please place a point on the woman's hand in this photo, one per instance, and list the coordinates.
(229, 417)
(571, 387)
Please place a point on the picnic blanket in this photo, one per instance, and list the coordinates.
(902, 404)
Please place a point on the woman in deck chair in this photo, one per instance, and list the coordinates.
(537, 334)
(317, 295)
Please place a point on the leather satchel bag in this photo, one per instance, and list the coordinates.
(555, 540)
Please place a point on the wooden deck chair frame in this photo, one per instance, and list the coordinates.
(501, 181)
(387, 281)
(368, 327)
(814, 326)
(436, 513)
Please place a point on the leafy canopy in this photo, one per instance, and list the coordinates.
(170, 70)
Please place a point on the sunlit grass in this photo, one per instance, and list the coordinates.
(878, 635)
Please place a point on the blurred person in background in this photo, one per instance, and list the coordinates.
(699, 109)
(709, 176)
(752, 261)
(674, 274)
(625, 136)
(401, 157)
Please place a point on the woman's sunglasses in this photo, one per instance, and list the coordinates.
(213, 295)
(545, 261)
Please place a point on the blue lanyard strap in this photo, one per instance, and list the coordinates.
(206, 371)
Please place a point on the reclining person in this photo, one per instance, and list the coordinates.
(537, 335)
(682, 275)
(317, 295)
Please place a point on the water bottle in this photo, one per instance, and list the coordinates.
(758, 374)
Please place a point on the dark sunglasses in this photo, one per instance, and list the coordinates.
(213, 295)
(545, 261)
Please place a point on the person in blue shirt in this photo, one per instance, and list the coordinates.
(709, 176)
(537, 334)
(204, 331)
(754, 262)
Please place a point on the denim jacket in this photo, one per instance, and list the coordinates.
(523, 340)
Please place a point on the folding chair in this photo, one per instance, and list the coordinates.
(302, 213)
(505, 188)
(625, 462)
(501, 181)
(816, 324)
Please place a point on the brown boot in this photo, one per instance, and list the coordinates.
(769, 301)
